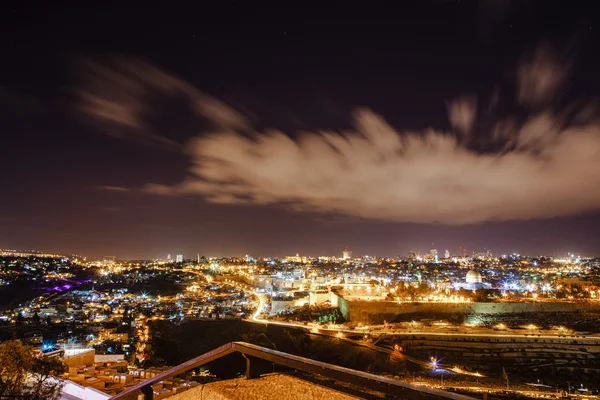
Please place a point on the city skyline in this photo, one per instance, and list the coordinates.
(426, 255)
(240, 130)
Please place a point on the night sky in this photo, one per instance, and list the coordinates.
(269, 129)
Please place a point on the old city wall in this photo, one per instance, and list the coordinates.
(378, 311)
(78, 357)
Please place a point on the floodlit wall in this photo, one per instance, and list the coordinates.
(278, 306)
(108, 358)
(79, 356)
(318, 297)
(378, 311)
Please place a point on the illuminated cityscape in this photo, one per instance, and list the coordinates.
(425, 312)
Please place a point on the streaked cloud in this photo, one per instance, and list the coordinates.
(111, 188)
(117, 95)
(540, 76)
(545, 164)
(462, 113)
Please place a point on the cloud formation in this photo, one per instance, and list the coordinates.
(544, 166)
(540, 77)
(462, 113)
(118, 95)
(112, 188)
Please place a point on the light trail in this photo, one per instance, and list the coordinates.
(262, 301)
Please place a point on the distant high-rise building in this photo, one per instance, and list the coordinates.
(169, 257)
(179, 258)
(347, 254)
(447, 254)
(433, 254)
(412, 255)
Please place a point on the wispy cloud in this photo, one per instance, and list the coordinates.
(540, 76)
(546, 165)
(462, 113)
(110, 188)
(117, 95)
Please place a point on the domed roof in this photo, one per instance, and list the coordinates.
(473, 277)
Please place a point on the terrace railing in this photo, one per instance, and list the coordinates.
(259, 359)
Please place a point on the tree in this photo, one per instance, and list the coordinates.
(483, 295)
(24, 375)
(468, 294)
(424, 289)
(36, 318)
(44, 385)
(14, 362)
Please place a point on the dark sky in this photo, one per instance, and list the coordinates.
(76, 181)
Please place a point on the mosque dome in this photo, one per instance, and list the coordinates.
(473, 277)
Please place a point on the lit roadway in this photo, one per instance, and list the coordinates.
(262, 301)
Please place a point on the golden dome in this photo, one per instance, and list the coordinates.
(473, 277)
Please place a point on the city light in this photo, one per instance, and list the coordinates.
(434, 363)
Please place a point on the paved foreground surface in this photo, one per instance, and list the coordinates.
(272, 386)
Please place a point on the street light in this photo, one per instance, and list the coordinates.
(434, 363)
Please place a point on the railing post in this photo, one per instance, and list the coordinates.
(148, 392)
(255, 367)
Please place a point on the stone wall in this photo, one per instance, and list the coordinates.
(79, 357)
(278, 306)
(371, 312)
(108, 357)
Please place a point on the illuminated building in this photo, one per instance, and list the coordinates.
(296, 259)
(433, 254)
(179, 258)
(347, 254)
(473, 281)
(473, 277)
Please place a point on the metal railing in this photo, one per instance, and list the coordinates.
(257, 357)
